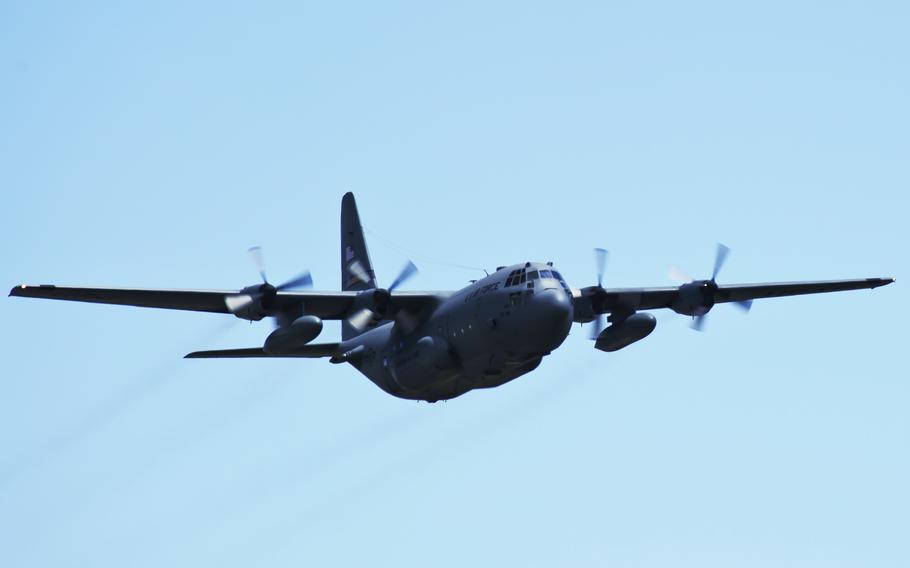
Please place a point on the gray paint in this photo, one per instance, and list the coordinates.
(438, 345)
(479, 337)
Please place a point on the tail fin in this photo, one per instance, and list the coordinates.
(356, 268)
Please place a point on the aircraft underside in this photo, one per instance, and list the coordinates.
(439, 345)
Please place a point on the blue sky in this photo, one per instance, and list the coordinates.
(152, 145)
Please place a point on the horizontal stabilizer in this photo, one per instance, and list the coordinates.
(307, 351)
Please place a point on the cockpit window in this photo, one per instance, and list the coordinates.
(558, 276)
(521, 276)
(546, 274)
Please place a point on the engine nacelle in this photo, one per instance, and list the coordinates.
(286, 339)
(695, 298)
(252, 303)
(626, 332)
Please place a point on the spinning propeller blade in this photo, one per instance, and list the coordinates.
(358, 271)
(744, 305)
(678, 275)
(238, 302)
(600, 263)
(719, 259)
(597, 327)
(406, 273)
(361, 318)
(256, 255)
(304, 280)
(600, 258)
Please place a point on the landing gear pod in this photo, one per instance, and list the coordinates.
(287, 339)
(626, 332)
(413, 368)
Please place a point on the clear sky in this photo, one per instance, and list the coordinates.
(151, 146)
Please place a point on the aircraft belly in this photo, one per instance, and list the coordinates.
(465, 346)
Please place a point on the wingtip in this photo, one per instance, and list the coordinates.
(15, 290)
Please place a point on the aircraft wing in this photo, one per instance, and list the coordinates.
(664, 297)
(311, 351)
(325, 305)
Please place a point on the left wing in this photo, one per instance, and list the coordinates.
(325, 305)
(745, 292)
(617, 299)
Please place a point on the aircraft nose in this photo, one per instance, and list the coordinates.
(553, 310)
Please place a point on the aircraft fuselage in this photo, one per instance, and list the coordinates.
(488, 333)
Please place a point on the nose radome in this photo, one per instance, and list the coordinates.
(553, 310)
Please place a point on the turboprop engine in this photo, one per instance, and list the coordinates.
(258, 301)
(695, 298)
(253, 302)
(288, 338)
(626, 332)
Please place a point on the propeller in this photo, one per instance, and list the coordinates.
(358, 271)
(720, 258)
(679, 275)
(360, 319)
(302, 280)
(600, 259)
(407, 271)
(600, 262)
(259, 261)
(239, 302)
(705, 288)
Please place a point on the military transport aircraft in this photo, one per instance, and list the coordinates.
(438, 345)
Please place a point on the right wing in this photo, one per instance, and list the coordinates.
(193, 300)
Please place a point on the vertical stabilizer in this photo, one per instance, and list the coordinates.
(356, 267)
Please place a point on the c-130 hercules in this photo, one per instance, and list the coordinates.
(439, 345)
